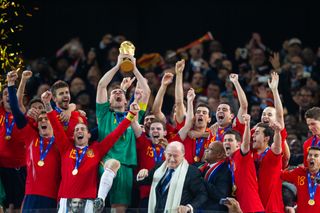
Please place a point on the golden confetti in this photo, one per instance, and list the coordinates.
(11, 16)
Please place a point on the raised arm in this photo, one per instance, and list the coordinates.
(19, 117)
(245, 145)
(126, 83)
(273, 84)
(26, 75)
(241, 97)
(276, 147)
(158, 101)
(102, 94)
(62, 140)
(135, 123)
(183, 132)
(180, 108)
(143, 84)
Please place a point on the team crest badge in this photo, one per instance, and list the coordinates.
(90, 153)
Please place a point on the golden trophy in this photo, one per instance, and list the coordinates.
(126, 47)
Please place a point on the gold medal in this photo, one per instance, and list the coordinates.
(75, 172)
(196, 159)
(234, 189)
(311, 202)
(65, 128)
(40, 163)
(8, 137)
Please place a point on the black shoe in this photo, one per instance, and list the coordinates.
(98, 205)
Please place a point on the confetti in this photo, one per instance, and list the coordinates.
(12, 16)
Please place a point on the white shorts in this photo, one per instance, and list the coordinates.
(75, 205)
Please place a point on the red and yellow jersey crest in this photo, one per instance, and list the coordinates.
(90, 153)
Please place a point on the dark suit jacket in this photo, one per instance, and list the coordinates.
(218, 186)
(193, 192)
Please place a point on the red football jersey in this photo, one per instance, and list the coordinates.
(146, 159)
(75, 118)
(298, 177)
(84, 184)
(42, 180)
(12, 151)
(269, 182)
(246, 182)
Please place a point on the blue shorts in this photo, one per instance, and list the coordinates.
(32, 203)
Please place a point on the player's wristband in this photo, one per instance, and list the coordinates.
(130, 116)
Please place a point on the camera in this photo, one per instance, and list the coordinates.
(263, 79)
(243, 53)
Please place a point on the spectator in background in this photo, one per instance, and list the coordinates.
(255, 112)
(294, 48)
(196, 63)
(198, 83)
(93, 76)
(258, 62)
(77, 85)
(73, 51)
(296, 151)
(41, 89)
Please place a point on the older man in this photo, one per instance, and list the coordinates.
(176, 185)
(217, 176)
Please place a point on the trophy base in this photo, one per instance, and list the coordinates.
(126, 66)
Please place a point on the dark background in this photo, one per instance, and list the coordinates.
(155, 26)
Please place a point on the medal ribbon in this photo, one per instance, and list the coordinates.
(79, 158)
(157, 158)
(44, 153)
(312, 189)
(314, 141)
(199, 146)
(66, 123)
(220, 132)
(120, 116)
(262, 155)
(9, 127)
(231, 168)
(213, 170)
(258, 160)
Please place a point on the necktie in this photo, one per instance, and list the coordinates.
(166, 181)
(205, 170)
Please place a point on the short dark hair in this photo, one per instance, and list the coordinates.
(57, 85)
(42, 112)
(157, 120)
(314, 113)
(224, 102)
(204, 105)
(35, 100)
(233, 132)
(314, 148)
(268, 131)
